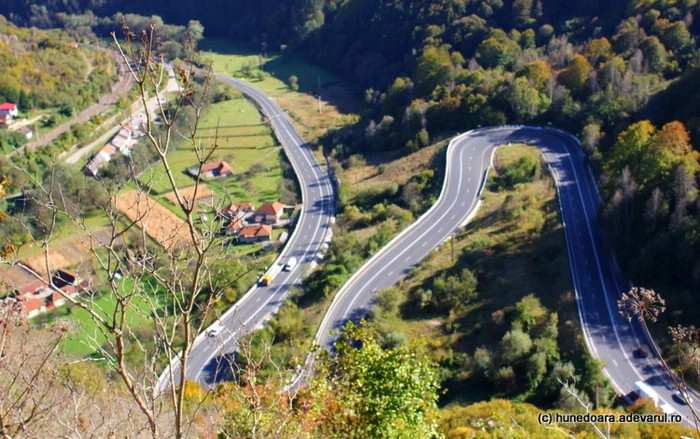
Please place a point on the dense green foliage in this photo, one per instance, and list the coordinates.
(381, 393)
(42, 70)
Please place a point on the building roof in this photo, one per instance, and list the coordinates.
(8, 106)
(31, 287)
(119, 141)
(256, 231)
(235, 224)
(220, 167)
(270, 209)
(25, 130)
(32, 303)
(63, 277)
(242, 207)
(107, 150)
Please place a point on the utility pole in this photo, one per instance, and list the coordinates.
(596, 394)
(452, 244)
(319, 93)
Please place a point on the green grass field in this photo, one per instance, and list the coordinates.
(87, 335)
(244, 140)
(340, 103)
(230, 58)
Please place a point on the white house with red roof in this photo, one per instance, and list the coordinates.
(212, 170)
(9, 108)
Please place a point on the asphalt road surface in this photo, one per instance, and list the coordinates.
(597, 282)
(211, 358)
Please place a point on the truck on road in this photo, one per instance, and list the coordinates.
(267, 277)
(266, 280)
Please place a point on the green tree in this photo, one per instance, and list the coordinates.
(535, 369)
(677, 37)
(514, 346)
(498, 51)
(525, 100)
(195, 31)
(381, 393)
(575, 75)
(293, 82)
(434, 68)
(452, 291)
(655, 54)
(635, 149)
(529, 311)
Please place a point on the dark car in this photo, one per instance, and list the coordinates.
(641, 352)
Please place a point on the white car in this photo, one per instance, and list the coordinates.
(215, 329)
(683, 398)
(291, 263)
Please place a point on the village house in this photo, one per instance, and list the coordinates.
(6, 119)
(8, 112)
(38, 297)
(234, 226)
(121, 142)
(255, 233)
(268, 213)
(237, 210)
(8, 108)
(212, 170)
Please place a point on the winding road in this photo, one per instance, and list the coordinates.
(210, 359)
(598, 283)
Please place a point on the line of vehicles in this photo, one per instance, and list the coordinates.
(266, 280)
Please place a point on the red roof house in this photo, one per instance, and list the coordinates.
(215, 169)
(268, 213)
(234, 226)
(33, 305)
(31, 288)
(255, 233)
(9, 108)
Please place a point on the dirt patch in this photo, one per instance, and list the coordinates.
(393, 171)
(13, 277)
(67, 255)
(203, 192)
(159, 223)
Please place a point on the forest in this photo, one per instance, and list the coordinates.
(42, 70)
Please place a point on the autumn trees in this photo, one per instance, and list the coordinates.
(651, 191)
